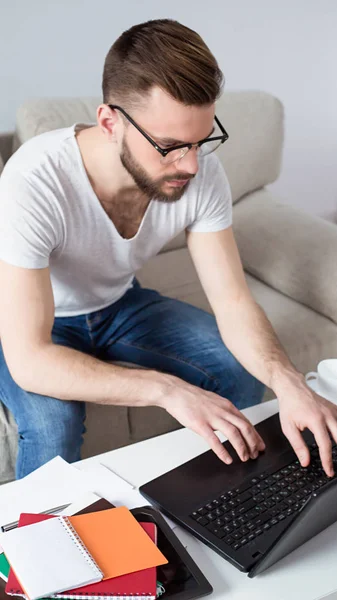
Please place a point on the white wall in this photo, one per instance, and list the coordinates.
(286, 47)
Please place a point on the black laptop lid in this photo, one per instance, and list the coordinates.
(317, 513)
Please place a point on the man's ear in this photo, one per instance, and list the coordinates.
(108, 121)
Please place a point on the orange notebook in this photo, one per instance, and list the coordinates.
(117, 542)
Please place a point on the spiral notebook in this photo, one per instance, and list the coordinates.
(141, 584)
(100, 504)
(58, 559)
(117, 541)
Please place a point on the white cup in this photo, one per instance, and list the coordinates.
(324, 381)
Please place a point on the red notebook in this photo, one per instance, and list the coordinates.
(142, 584)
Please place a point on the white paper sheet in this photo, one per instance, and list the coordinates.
(57, 483)
(54, 484)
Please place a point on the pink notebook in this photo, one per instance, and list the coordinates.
(142, 584)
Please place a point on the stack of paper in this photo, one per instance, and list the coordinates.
(105, 553)
(55, 484)
(4, 566)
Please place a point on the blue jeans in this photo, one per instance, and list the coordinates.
(144, 328)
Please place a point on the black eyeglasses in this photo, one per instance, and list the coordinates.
(173, 153)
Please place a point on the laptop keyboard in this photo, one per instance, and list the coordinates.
(242, 514)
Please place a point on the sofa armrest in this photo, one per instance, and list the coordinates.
(289, 250)
(6, 145)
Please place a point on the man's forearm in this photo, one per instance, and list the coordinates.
(61, 372)
(247, 332)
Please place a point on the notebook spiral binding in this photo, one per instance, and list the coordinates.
(119, 596)
(77, 540)
(18, 593)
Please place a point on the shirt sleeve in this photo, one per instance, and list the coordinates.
(214, 206)
(28, 228)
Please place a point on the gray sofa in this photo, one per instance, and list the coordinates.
(289, 256)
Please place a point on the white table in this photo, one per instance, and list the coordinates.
(309, 573)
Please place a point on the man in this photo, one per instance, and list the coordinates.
(82, 209)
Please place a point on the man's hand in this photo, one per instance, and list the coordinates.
(206, 412)
(302, 408)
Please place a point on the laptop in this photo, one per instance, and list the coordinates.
(251, 513)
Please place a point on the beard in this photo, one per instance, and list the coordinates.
(152, 188)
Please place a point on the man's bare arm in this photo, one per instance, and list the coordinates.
(38, 365)
(243, 325)
(247, 332)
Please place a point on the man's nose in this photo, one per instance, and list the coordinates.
(189, 162)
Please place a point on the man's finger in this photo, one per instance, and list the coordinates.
(240, 419)
(332, 425)
(325, 450)
(215, 444)
(253, 440)
(235, 438)
(295, 438)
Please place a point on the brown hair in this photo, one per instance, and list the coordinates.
(161, 53)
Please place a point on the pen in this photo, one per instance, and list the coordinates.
(14, 524)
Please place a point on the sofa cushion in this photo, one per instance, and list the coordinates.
(252, 154)
(107, 427)
(178, 242)
(289, 249)
(8, 444)
(173, 274)
(45, 114)
(149, 421)
(307, 336)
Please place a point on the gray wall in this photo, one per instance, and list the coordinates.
(288, 48)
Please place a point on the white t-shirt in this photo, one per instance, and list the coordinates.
(50, 216)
